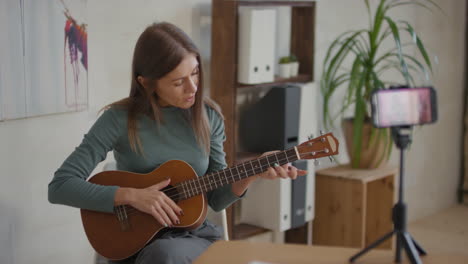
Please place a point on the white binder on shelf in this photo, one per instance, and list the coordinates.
(308, 125)
(256, 45)
(267, 203)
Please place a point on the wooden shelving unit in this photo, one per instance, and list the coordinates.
(224, 85)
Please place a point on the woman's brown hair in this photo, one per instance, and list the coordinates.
(158, 51)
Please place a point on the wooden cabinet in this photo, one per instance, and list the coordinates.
(223, 83)
(353, 207)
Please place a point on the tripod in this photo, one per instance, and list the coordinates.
(401, 136)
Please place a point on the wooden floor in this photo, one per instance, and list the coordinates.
(445, 232)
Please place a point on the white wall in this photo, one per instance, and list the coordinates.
(33, 231)
(435, 162)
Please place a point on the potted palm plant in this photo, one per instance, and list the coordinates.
(354, 64)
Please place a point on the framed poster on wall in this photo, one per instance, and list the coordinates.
(44, 65)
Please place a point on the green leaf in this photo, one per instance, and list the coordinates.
(333, 86)
(384, 35)
(333, 45)
(358, 123)
(374, 136)
(333, 62)
(378, 84)
(419, 64)
(396, 36)
(390, 52)
(366, 45)
(341, 54)
(415, 2)
(379, 16)
(387, 141)
(326, 98)
(343, 108)
(419, 43)
(390, 145)
(434, 4)
(356, 47)
(411, 3)
(397, 67)
(411, 59)
(369, 12)
(354, 78)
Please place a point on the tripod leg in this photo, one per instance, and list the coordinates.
(399, 242)
(371, 246)
(410, 248)
(418, 247)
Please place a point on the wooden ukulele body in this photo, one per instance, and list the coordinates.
(121, 234)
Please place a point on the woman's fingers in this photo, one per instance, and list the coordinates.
(157, 216)
(173, 205)
(292, 172)
(170, 212)
(273, 173)
(268, 153)
(270, 174)
(166, 209)
(162, 184)
(163, 214)
(281, 172)
(285, 171)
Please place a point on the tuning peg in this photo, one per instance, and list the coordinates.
(311, 136)
(316, 162)
(331, 159)
(321, 132)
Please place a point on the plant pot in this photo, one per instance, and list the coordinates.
(294, 68)
(285, 70)
(373, 154)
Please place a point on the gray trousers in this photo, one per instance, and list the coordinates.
(176, 246)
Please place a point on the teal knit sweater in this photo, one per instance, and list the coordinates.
(172, 139)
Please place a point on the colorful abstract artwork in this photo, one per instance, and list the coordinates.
(44, 57)
(76, 38)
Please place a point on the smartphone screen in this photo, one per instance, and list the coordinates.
(403, 106)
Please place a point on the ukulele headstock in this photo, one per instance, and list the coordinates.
(323, 146)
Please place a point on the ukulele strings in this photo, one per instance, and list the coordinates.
(129, 210)
(220, 180)
(175, 196)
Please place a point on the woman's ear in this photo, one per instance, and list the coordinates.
(141, 80)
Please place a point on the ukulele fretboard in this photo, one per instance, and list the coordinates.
(241, 171)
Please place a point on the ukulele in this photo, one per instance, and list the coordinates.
(124, 232)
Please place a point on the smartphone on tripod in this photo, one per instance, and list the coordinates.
(403, 106)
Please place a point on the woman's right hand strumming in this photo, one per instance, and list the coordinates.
(151, 201)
